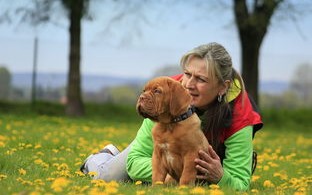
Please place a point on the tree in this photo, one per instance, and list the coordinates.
(41, 12)
(252, 23)
(76, 9)
(5, 83)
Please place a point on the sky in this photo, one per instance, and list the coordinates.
(135, 48)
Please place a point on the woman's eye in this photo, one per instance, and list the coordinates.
(201, 80)
(188, 75)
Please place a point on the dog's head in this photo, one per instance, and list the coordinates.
(162, 99)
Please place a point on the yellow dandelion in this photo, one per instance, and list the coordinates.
(28, 146)
(198, 190)
(268, 184)
(39, 182)
(111, 190)
(59, 184)
(301, 189)
(92, 173)
(96, 191)
(138, 182)
(40, 153)
(98, 183)
(290, 156)
(56, 165)
(159, 183)
(214, 186)
(282, 176)
(2, 144)
(38, 161)
(79, 173)
(140, 192)
(272, 164)
(82, 188)
(34, 193)
(64, 173)
(24, 182)
(2, 176)
(2, 138)
(50, 179)
(216, 192)
(183, 187)
(113, 184)
(300, 193)
(37, 146)
(254, 191)
(78, 163)
(22, 171)
(266, 167)
(11, 151)
(255, 178)
(62, 166)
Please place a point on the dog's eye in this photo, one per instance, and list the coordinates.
(157, 91)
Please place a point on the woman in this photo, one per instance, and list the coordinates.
(228, 121)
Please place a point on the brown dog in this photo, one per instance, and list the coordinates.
(177, 135)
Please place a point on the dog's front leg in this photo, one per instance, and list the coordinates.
(169, 180)
(189, 172)
(158, 170)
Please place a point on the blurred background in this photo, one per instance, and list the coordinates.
(106, 51)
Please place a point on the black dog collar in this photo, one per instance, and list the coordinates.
(185, 115)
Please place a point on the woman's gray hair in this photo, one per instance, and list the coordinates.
(218, 62)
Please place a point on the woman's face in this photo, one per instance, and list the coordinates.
(196, 80)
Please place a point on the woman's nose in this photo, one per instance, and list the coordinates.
(190, 83)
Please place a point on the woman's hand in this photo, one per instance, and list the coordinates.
(209, 166)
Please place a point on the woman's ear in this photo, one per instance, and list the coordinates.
(224, 87)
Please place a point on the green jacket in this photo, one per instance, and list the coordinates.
(236, 164)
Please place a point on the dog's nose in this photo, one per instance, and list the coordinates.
(142, 97)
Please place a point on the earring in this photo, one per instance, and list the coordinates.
(220, 98)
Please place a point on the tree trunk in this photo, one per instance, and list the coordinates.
(250, 62)
(74, 105)
(252, 25)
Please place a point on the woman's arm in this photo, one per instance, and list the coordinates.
(139, 161)
(238, 160)
(236, 170)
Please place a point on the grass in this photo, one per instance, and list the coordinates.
(41, 151)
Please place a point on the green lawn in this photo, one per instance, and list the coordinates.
(41, 151)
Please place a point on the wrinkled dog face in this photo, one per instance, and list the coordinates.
(162, 99)
(154, 99)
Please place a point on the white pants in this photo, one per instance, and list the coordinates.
(109, 167)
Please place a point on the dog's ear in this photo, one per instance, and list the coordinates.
(180, 98)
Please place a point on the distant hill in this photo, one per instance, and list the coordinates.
(92, 83)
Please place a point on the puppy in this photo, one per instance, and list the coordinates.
(176, 134)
